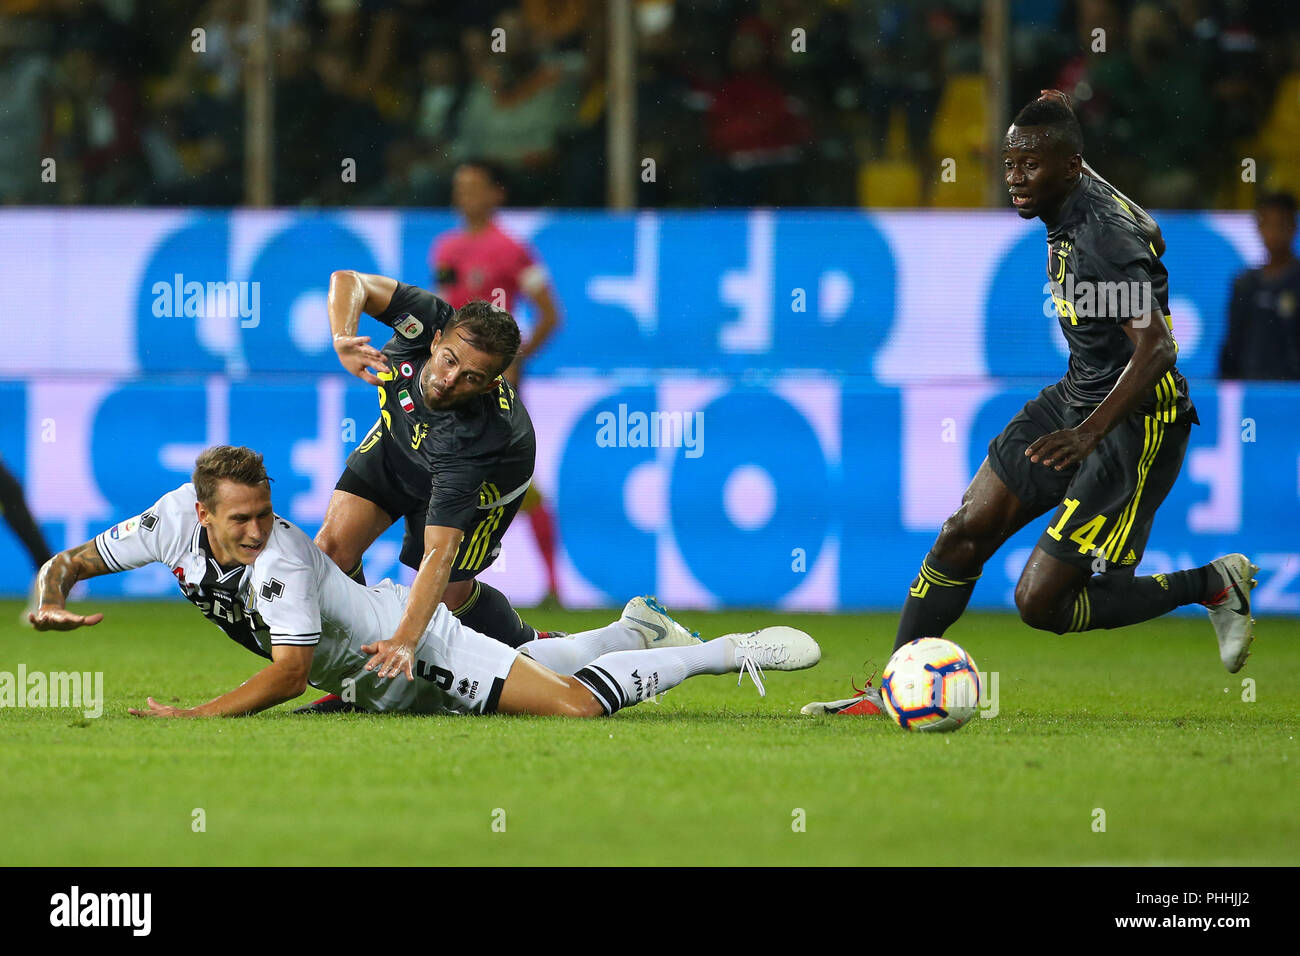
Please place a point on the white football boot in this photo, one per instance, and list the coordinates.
(1230, 610)
(650, 619)
(778, 648)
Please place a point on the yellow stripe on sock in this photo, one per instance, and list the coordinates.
(1081, 613)
(942, 579)
(469, 601)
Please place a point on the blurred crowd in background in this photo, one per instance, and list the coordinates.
(734, 106)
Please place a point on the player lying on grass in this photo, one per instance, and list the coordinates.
(1100, 448)
(262, 581)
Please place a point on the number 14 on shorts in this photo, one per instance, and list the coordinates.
(1085, 534)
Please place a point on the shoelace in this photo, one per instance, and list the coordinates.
(862, 691)
(753, 668)
(745, 659)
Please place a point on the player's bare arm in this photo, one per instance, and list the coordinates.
(282, 680)
(55, 583)
(350, 294)
(394, 656)
(1153, 356)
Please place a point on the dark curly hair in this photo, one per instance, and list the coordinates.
(488, 329)
(1059, 120)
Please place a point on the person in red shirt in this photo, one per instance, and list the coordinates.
(480, 261)
(758, 132)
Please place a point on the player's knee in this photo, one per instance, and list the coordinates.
(338, 550)
(1038, 609)
(952, 534)
(577, 701)
(457, 593)
(327, 542)
(959, 543)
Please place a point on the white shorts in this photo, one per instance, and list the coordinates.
(458, 670)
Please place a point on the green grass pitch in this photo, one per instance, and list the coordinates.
(1141, 723)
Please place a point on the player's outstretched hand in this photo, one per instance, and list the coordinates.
(1064, 448)
(358, 356)
(160, 710)
(61, 619)
(391, 657)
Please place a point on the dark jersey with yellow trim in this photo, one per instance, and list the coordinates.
(468, 461)
(1103, 271)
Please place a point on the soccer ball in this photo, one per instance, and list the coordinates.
(930, 684)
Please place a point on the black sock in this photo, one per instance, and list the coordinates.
(358, 573)
(937, 598)
(14, 509)
(488, 611)
(1115, 601)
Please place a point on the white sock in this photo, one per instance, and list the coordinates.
(564, 655)
(629, 677)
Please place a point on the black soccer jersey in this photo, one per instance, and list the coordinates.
(1103, 271)
(466, 461)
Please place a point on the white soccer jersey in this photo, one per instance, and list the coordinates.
(294, 594)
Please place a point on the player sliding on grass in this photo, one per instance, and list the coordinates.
(262, 581)
(1101, 447)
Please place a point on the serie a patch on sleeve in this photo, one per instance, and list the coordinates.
(409, 326)
(124, 529)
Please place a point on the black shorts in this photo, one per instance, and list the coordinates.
(1104, 505)
(367, 476)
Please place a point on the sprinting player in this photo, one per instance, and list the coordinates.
(482, 261)
(262, 581)
(1101, 447)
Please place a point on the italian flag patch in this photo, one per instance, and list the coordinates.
(404, 398)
